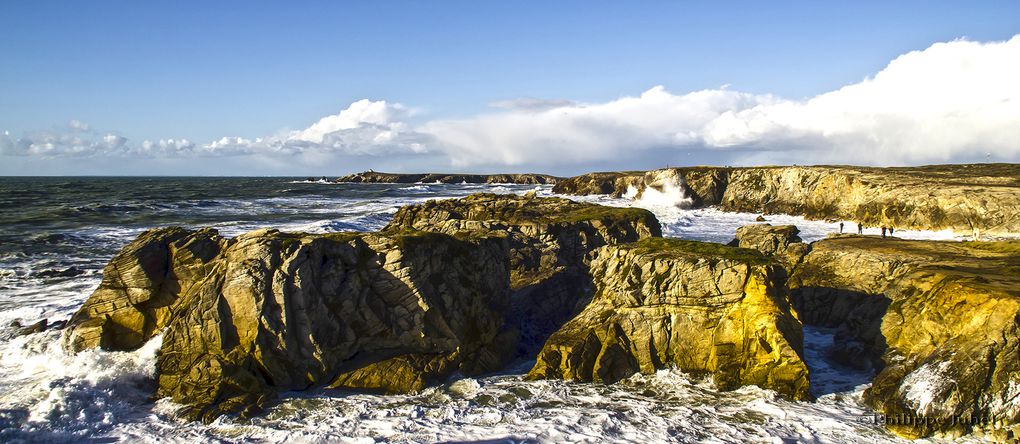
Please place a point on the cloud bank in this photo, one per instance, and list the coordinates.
(957, 100)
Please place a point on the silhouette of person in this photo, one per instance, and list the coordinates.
(890, 230)
(841, 227)
(860, 228)
(883, 231)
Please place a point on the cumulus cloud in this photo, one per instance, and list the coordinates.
(952, 100)
(956, 100)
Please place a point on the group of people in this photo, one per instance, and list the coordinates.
(860, 229)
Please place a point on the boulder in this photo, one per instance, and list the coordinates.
(701, 307)
(780, 242)
(274, 311)
(938, 321)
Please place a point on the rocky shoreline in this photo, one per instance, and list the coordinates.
(974, 199)
(377, 177)
(593, 293)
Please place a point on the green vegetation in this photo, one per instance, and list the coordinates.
(685, 248)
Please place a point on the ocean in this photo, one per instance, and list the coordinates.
(57, 233)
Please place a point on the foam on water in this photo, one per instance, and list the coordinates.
(49, 395)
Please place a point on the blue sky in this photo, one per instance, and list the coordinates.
(202, 71)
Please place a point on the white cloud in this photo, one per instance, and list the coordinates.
(531, 104)
(952, 101)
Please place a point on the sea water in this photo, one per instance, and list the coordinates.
(56, 234)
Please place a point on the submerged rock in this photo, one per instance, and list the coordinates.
(701, 307)
(939, 321)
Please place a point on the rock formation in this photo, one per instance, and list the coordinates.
(267, 311)
(392, 311)
(780, 242)
(550, 239)
(702, 307)
(939, 321)
(374, 177)
(978, 198)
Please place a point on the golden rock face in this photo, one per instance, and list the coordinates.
(982, 198)
(393, 311)
(702, 308)
(939, 321)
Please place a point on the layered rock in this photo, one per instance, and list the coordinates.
(392, 311)
(375, 177)
(939, 321)
(700, 307)
(780, 242)
(550, 239)
(269, 311)
(978, 198)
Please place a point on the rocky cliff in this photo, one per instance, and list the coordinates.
(374, 177)
(938, 321)
(392, 311)
(977, 198)
(550, 239)
(267, 311)
(701, 307)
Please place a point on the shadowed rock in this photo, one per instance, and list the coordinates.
(393, 311)
(940, 321)
(780, 242)
(550, 240)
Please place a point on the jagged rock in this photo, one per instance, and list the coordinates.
(550, 239)
(141, 286)
(375, 177)
(940, 321)
(780, 242)
(393, 311)
(979, 198)
(270, 311)
(704, 308)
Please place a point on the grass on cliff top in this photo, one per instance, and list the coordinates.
(517, 209)
(678, 247)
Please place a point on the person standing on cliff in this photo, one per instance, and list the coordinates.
(890, 230)
(860, 228)
(841, 228)
(883, 230)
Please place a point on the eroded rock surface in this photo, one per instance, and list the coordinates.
(550, 239)
(978, 198)
(780, 242)
(702, 307)
(269, 311)
(393, 311)
(939, 321)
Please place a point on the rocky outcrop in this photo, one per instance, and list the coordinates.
(374, 177)
(267, 311)
(939, 321)
(701, 307)
(780, 242)
(978, 198)
(550, 239)
(392, 311)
